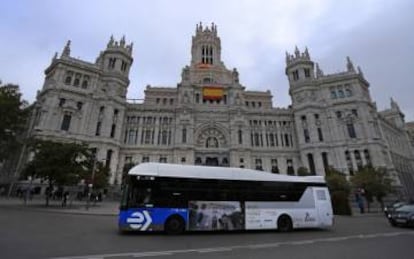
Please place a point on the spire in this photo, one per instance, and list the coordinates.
(360, 71)
(110, 42)
(307, 53)
(297, 53)
(122, 42)
(394, 104)
(319, 72)
(287, 57)
(55, 56)
(131, 46)
(349, 65)
(66, 49)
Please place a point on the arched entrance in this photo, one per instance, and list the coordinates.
(211, 148)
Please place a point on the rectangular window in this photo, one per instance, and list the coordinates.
(306, 135)
(320, 135)
(295, 75)
(184, 135)
(163, 159)
(113, 130)
(66, 122)
(325, 160)
(290, 169)
(351, 130)
(240, 133)
(259, 164)
(98, 129)
(131, 136)
(307, 72)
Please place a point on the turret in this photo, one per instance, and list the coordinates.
(299, 67)
(117, 57)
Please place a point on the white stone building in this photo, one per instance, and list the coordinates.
(210, 118)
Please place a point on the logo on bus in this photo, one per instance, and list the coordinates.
(139, 220)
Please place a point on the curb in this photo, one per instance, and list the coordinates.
(57, 211)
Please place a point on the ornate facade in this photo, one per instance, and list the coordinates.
(210, 118)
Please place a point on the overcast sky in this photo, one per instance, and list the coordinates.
(377, 35)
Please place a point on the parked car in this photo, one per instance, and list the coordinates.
(391, 207)
(403, 216)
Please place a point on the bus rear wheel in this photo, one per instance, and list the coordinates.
(174, 225)
(284, 223)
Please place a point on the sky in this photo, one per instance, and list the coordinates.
(377, 35)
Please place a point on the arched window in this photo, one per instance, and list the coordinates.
(212, 142)
(76, 82)
(341, 93)
(85, 82)
(68, 79)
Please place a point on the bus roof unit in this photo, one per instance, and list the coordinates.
(209, 172)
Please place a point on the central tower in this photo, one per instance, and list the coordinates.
(206, 47)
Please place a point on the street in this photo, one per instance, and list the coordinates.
(29, 233)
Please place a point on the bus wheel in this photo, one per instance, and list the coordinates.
(174, 225)
(284, 223)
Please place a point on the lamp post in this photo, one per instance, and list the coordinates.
(90, 185)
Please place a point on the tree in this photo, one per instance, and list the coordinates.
(13, 115)
(303, 171)
(339, 189)
(58, 163)
(375, 183)
(101, 175)
(125, 171)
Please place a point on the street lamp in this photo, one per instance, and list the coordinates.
(90, 185)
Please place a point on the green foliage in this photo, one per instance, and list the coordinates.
(339, 189)
(59, 163)
(101, 177)
(374, 181)
(303, 171)
(13, 115)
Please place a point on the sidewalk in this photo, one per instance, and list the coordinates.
(105, 208)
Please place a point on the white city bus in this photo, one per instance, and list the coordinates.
(176, 198)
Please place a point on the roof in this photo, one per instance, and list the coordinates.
(209, 172)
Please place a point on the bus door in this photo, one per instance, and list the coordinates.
(323, 206)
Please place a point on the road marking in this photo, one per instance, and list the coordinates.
(231, 248)
(217, 249)
(149, 254)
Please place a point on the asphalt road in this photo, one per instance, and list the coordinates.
(37, 234)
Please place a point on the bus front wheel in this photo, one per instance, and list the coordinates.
(284, 223)
(174, 225)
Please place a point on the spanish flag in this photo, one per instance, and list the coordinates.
(213, 93)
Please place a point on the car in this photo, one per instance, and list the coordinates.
(402, 216)
(391, 207)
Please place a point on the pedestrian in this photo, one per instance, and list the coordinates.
(65, 198)
(360, 202)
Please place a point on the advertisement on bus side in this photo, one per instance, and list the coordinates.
(215, 215)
